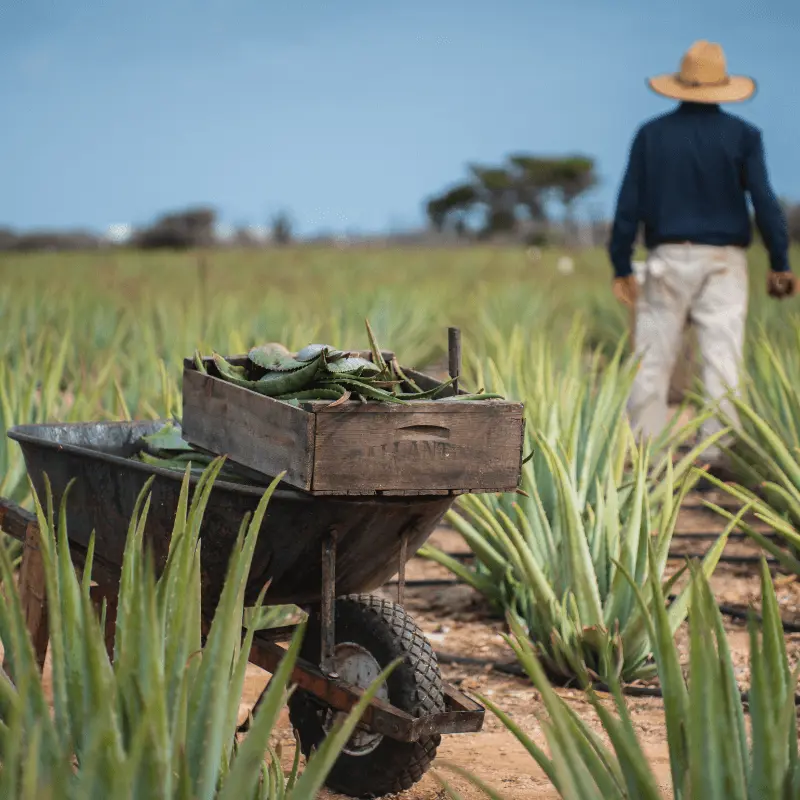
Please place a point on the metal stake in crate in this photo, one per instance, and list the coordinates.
(454, 356)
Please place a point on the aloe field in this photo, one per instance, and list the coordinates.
(611, 665)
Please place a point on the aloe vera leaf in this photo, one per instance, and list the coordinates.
(313, 351)
(377, 356)
(314, 394)
(274, 357)
(233, 369)
(275, 383)
(379, 384)
(352, 364)
(198, 363)
(481, 583)
(398, 370)
(199, 462)
(230, 373)
(368, 391)
(428, 394)
(170, 463)
(168, 437)
(343, 399)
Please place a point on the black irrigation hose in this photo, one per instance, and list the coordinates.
(518, 672)
(734, 612)
(733, 537)
(507, 668)
(770, 562)
(703, 507)
(466, 556)
(512, 668)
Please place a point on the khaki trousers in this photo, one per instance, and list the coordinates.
(708, 286)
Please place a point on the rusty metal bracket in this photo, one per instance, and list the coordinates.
(401, 570)
(461, 714)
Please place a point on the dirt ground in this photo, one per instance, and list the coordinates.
(457, 621)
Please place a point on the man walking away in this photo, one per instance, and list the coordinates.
(687, 181)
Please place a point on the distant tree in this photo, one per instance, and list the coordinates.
(572, 177)
(8, 239)
(452, 208)
(533, 177)
(281, 228)
(181, 230)
(525, 187)
(498, 195)
(48, 241)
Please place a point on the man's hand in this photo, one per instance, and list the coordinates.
(626, 290)
(781, 284)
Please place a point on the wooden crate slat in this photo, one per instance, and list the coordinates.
(229, 420)
(417, 448)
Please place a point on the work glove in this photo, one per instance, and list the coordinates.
(626, 290)
(781, 284)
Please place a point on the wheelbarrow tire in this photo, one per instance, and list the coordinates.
(387, 632)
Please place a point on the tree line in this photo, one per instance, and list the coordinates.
(513, 200)
(187, 229)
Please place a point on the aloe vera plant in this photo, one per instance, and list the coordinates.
(554, 561)
(766, 430)
(765, 447)
(710, 753)
(160, 719)
(590, 499)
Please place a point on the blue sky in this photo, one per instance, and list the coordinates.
(347, 114)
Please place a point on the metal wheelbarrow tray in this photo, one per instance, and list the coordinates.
(313, 550)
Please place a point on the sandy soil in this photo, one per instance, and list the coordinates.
(457, 621)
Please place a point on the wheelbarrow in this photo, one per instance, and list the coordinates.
(324, 554)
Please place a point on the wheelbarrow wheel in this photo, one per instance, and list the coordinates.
(371, 633)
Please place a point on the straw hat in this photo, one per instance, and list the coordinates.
(703, 78)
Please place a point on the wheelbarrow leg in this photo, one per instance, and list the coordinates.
(327, 614)
(328, 603)
(401, 570)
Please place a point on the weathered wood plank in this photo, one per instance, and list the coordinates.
(15, 520)
(252, 430)
(443, 406)
(426, 447)
(33, 594)
(415, 492)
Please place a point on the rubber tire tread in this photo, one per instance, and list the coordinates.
(388, 632)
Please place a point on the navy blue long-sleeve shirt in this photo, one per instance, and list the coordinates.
(688, 177)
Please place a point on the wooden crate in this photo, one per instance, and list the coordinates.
(435, 447)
